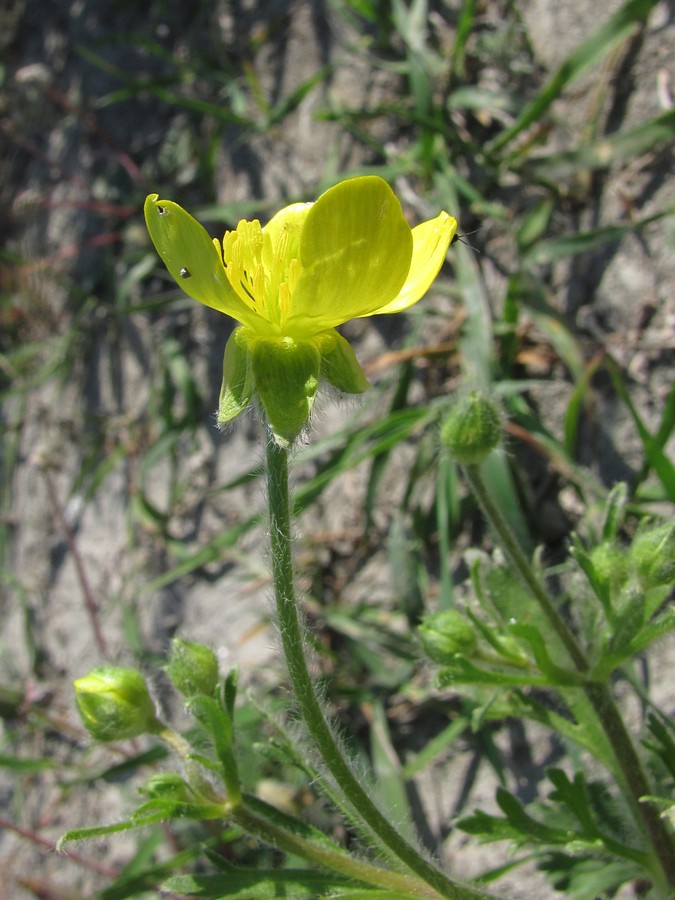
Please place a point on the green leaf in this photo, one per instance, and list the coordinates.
(610, 150)
(213, 551)
(578, 403)
(534, 224)
(661, 464)
(538, 644)
(548, 251)
(23, 765)
(221, 728)
(529, 827)
(463, 30)
(587, 877)
(615, 512)
(82, 834)
(390, 785)
(578, 733)
(573, 795)
(639, 642)
(661, 740)
(600, 586)
(462, 671)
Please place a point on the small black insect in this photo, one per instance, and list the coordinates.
(161, 210)
(460, 238)
(185, 273)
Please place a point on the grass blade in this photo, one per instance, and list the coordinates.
(586, 55)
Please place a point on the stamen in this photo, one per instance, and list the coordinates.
(246, 290)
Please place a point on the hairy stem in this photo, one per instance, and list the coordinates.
(293, 642)
(333, 859)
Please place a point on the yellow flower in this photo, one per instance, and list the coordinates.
(312, 267)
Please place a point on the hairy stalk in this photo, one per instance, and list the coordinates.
(305, 696)
(599, 694)
(335, 860)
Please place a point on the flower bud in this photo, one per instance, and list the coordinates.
(114, 704)
(446, 633)
(193, 668)
(610, 563)
(653, 553)
(169, 784)
(472, 429)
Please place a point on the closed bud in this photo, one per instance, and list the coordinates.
(653, 554)
(610, 563)
(169, 784)
(472, 429)
(193, 669)
(114, 704)
(445, 634)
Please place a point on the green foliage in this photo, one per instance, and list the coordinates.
(581, 822)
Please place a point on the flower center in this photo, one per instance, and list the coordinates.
(263, 274)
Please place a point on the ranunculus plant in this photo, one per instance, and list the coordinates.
(290, 284)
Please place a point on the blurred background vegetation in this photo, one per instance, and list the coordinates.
(547, 129)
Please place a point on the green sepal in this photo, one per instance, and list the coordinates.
(339, 365)
(286, 377)
(237, 387)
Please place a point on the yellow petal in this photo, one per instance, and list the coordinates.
(192, 257)
(288, 222)
(355, 251)
(430, 244)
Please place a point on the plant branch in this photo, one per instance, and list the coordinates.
(630, 768)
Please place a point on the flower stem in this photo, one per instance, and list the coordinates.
(629, 765)
(293, 642)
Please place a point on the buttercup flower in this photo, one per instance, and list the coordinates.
(290, 284)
